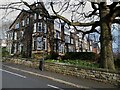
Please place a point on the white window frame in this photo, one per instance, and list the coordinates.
(17, 26)
(15, 36)
(35, 16)
(35, 27)
(39, 43)
(72, 41)
(39, 17)
(39, 26)
(67, 39)
(28, 20)
(45, 43)
(45, 28)
(57, 34)
(23, 22)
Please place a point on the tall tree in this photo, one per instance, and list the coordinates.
(107, 16)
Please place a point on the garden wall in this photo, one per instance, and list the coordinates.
(89, 73)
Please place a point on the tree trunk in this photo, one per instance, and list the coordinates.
(107, 60)
(50, 25)
(27, 43)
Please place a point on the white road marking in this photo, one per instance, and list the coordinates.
(54, 87)
(13, 73)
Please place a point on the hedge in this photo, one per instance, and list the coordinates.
(117, 63)
(5, 53)
(52, 55)
(80, 55)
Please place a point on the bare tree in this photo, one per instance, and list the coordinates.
(106, 17)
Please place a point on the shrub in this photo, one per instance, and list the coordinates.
(52, 55)
(117, 62)
(80, 55)
(5, 53)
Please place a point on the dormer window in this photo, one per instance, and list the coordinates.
(17, 26)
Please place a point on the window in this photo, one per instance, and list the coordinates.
(71, 49)
(17, 26)
(34, 27)
(55, 47)
(57, 34)
(77, 43)
(8, 36)
(15, 49)
(21, 47)
(57, 25)
(39, 27)
(23, 22)
(34, 43)
(15, 37)
(72, 41)
(35, 16)
(40, 17)
(11, 36)
(60, 47)
(45, 28)
(45, 44)
(28, 20)
(67, 39)
(22, 33)
(39, 43)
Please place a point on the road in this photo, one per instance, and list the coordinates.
(16, 79)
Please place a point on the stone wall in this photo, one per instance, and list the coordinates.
(95, 74)
(89, 73)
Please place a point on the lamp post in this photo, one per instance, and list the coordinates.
(41, 62)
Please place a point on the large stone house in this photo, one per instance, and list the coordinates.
(35, 33)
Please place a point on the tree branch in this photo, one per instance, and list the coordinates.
(68, 21)
(115, 12)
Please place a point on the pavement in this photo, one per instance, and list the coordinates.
(60, 80)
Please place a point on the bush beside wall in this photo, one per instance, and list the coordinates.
(81, 56)
(5, 53)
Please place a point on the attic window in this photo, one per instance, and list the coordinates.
(17, 26)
